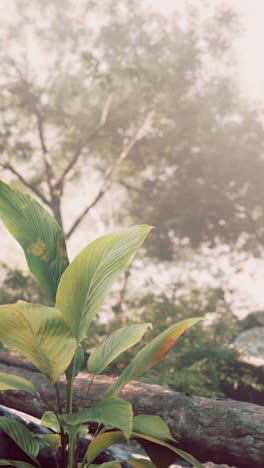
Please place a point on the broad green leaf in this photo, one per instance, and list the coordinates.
(83, 430)
(151, 425)
(16, 463)
(135, 462)
(146, 424)
(13, 382)
(102, 442)
(140, 463)
(38, 233)
(105, 440)
(73, 431)
(115, 344)
(49, 419)
(111, 464)
(19, 433)
(52, 440)
(156, 458)
(88, 279)
(111, 411)
(78, 364)
(39, 333)
(151, 354)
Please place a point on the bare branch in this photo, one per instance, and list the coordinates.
(108, 176)
(105, 110)
(130, 186)
(25, 182)
(45, 154)
(69, 170)
(84, 213)
(140, 133)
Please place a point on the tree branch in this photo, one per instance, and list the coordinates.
(108, 176)
(45, 154)
(130, 186)
(30, 100)
(25, 182)
(69, 170)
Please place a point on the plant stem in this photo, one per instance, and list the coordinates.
(72, 437)
(84, 462)
(76, 451)
(70, 386)
(71, 450)
(63, 435)
(87, 393)
(90, 384)
(58, 398)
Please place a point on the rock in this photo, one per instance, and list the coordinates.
(217, 429)
(9, 450)
(255, 319)
(212, 465)
(244, 376)
(206, 465)
(250, 344)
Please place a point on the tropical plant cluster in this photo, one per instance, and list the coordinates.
(202, 364)
(51, 336)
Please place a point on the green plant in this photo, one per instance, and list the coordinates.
(199, 362)
(51, 338)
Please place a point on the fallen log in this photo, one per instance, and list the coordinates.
(221, 430)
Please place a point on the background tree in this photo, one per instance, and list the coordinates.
(146, 101)
(150, 105)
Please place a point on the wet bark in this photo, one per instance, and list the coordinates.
(221, 430)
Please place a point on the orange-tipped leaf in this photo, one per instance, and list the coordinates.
(151, 354)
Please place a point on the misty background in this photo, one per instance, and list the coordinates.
(124, 112)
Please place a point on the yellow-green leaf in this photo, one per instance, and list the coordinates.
(39, 235)
(152, 425)
(49, 419)
(140, 463)
(76, 363)
(110, 411)
(102, 442)
(151, 354)
(87, 281)
(111, 464)
(40, 334)
(106, 439)
(182, 453)
(52, 440)
(114, 345)
(13, 382)
(19, 433)
(16, 463)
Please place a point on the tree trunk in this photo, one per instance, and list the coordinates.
(55, 206)
(221, 430)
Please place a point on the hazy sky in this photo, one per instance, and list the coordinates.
(249, 45)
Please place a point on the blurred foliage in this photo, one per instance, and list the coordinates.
(202, 362)
(18, 286)
(198, 169)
